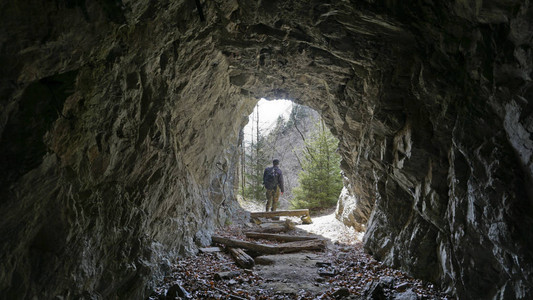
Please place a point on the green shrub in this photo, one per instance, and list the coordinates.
(321, 180)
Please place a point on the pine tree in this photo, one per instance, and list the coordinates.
(320, 181)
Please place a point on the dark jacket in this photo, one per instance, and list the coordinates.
(279, 176)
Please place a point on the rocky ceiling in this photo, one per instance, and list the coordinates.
(119, 120)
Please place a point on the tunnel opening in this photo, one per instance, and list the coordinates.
(297, 137)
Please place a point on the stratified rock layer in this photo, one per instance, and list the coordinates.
(116, 146)
(119, 121)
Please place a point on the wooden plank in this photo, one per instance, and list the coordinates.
(267, 220)
(261, 248)
(277, 213)
(272, 249)
(274, 227)
(277, 237)
(242, 259)
(301, 246)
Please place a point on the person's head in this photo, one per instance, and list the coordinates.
(275, 162)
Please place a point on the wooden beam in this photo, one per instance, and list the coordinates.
(261, 248)
(272, 249)
(278, 237)
(277, 213)
(301, 246)
(275, 227)
(242, 259)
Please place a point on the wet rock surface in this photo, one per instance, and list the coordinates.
(119, 121)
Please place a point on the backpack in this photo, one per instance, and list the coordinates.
(271, 178)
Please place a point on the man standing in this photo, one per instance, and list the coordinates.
(273, 182)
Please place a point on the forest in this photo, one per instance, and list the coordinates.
(308, 154)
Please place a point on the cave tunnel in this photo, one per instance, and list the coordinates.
(119, 122)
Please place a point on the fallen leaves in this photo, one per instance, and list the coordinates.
(344, 271)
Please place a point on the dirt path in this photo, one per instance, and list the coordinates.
(297, 273)
(341, 271)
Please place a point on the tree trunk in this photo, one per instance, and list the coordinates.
(272, 249)
(278, 237)
(242, 259)
(274, 227)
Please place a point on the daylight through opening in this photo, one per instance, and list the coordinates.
(308, 175)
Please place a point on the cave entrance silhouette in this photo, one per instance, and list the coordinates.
(120, 122)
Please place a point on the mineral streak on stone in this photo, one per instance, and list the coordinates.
(119, 122)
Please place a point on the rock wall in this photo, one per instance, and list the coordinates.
(118, 121)
(456, 198)
(114, 125)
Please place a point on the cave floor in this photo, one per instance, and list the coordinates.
(341, 271)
